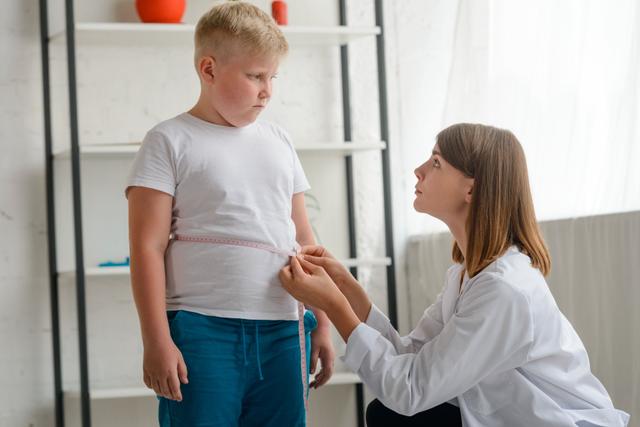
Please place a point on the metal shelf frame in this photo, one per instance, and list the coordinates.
(69, 37)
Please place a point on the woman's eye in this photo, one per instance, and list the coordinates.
(436, 163)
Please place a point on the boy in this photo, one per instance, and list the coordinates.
(229, 189)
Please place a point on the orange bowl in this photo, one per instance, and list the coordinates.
(160, 11)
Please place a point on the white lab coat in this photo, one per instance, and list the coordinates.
(502, 351)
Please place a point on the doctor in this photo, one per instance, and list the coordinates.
(494, 349)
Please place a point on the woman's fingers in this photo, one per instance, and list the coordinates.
(317, 260)
(313, 250)
(285, 274)
(296, 268)
(308, 265)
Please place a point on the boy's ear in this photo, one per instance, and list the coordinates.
(206, 67)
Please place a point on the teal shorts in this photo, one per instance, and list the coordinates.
(242, 373)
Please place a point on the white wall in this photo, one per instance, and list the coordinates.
(118, 102)
(25, 349)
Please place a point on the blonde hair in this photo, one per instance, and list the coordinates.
(237, 27)
(501, 213)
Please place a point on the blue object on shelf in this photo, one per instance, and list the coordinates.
(124, 263)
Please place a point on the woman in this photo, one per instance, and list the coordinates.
(494, 349)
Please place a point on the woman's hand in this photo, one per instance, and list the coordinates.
(310, 284)
(318, 255)
(164, 369)
(345, 281)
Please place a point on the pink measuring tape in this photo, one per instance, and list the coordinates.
(273, 249)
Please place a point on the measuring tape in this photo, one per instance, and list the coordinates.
(275, 250)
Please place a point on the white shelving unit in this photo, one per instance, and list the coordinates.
(124, 35)
(129, 149)
(124, 271)
(92, 32)
(340, 378)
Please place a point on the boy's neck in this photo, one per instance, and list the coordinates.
(208, 114)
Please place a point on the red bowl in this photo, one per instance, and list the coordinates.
(161, 11)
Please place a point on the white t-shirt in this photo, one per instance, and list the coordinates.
(226, 182)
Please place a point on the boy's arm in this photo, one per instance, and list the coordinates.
(149, 228)
(322, 346)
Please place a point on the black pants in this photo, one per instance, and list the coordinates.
(445, 415)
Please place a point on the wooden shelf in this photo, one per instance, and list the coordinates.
(129, 149)
(97, 272)
(116, 32)
(340, 378)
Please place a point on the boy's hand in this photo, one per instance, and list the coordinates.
(164, 369)
(322, 348)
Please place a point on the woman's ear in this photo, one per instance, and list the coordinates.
(469, 191)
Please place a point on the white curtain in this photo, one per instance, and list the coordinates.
(563, 75)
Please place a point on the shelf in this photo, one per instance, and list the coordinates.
(129, 149)
(340, 378)
(366, 262)
(113, 393)
(345, 148)
(96, 272)
(115, 32)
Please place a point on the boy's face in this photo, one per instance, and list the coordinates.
(240, 87)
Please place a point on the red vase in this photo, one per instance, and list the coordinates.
(279, 12)
(160, 11)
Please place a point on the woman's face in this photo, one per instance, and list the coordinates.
(442, 191)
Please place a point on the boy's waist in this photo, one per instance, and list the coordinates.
(309, 318)
(282, 238)
(235, 314)
(284, 250)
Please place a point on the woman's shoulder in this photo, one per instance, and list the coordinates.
(512, 274)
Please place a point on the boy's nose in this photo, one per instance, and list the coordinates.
(266, 91)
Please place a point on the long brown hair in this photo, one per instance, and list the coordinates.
(501, 213)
